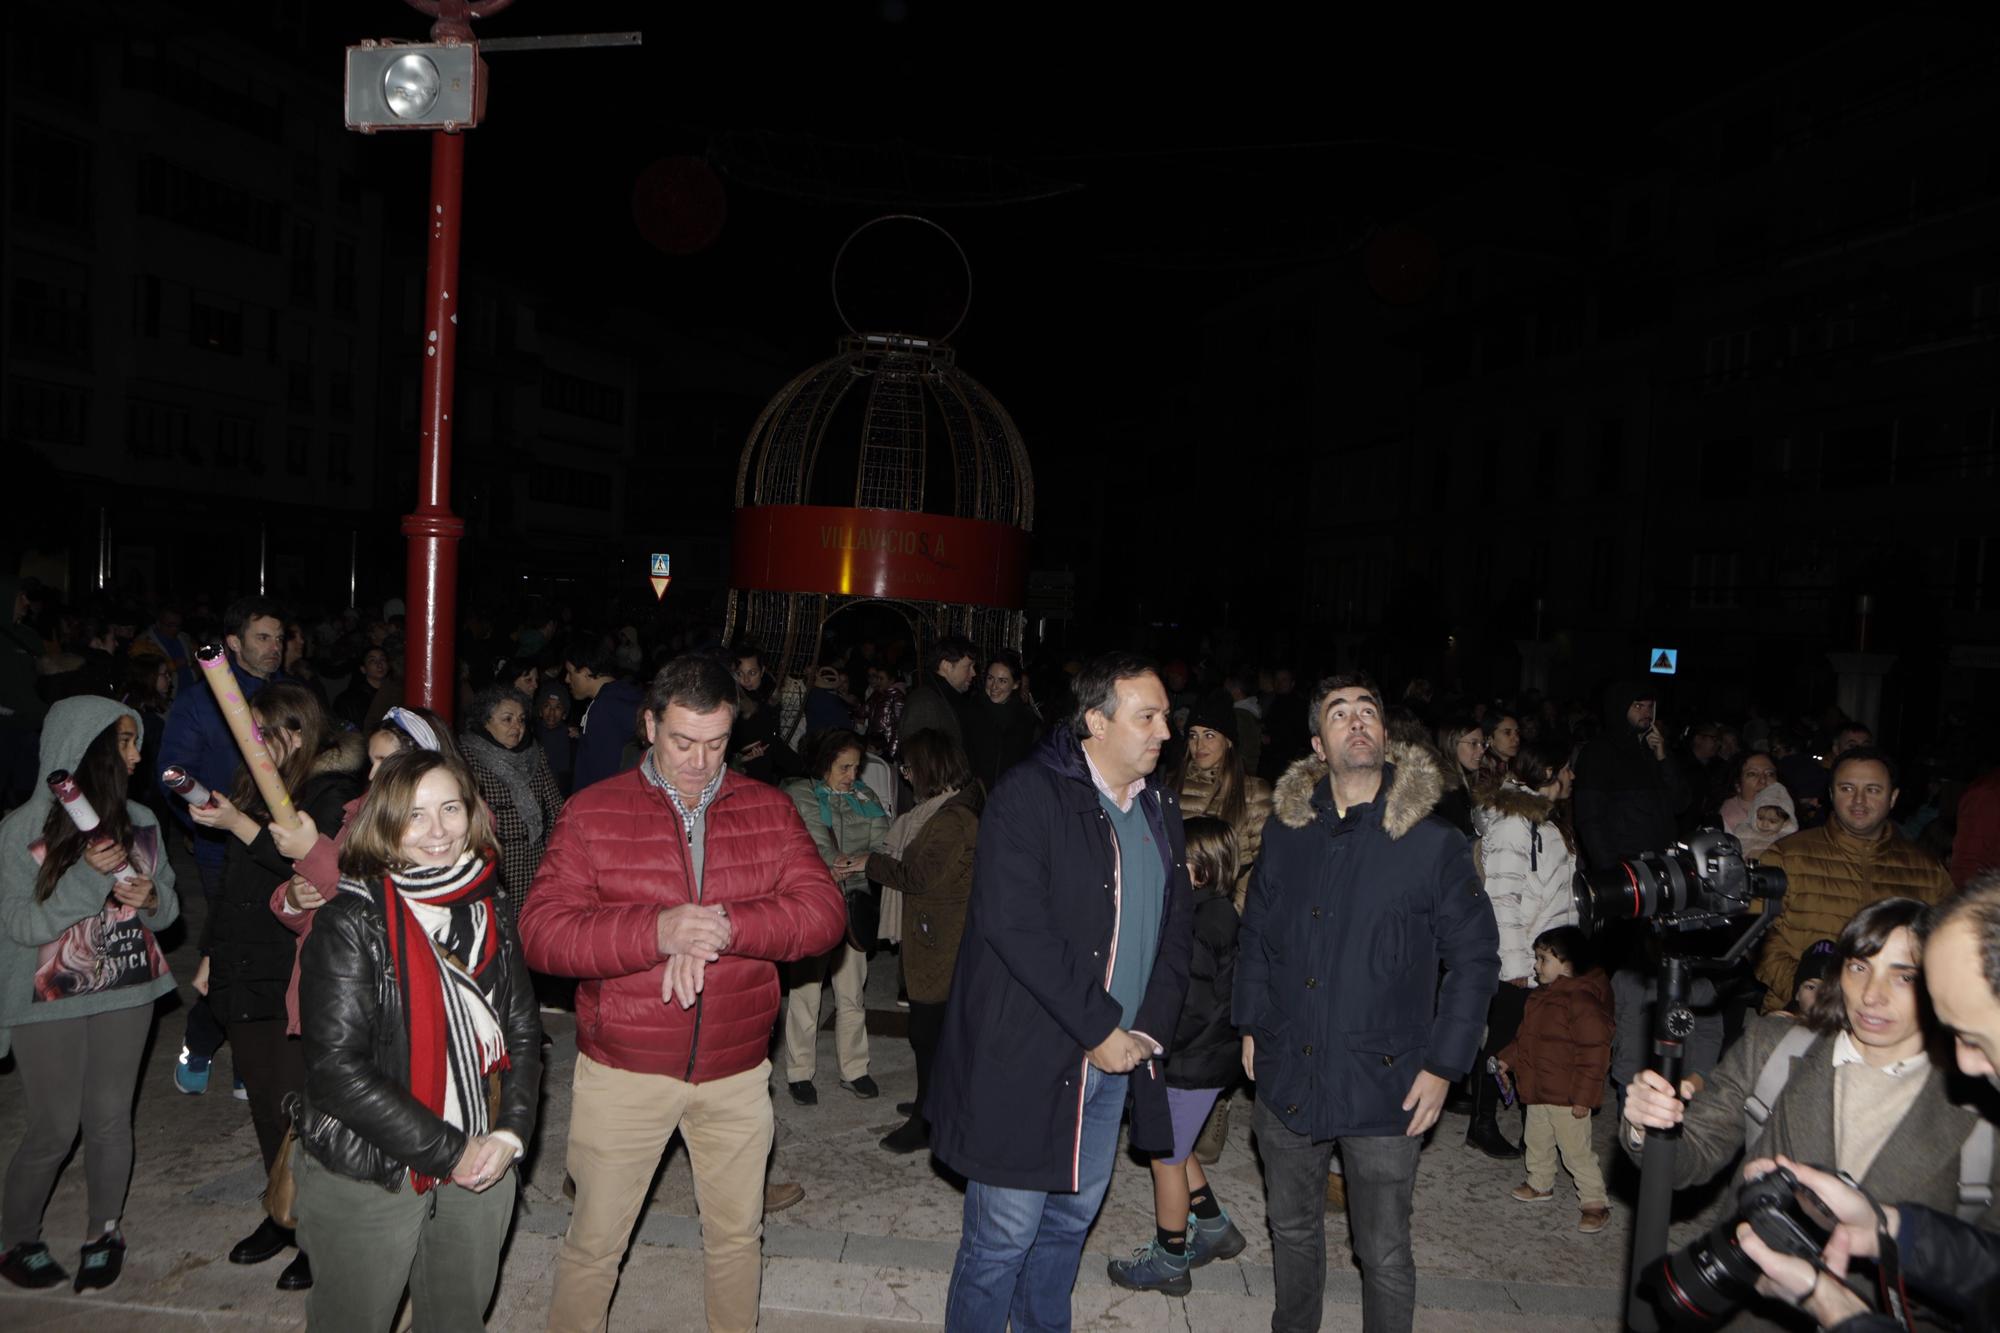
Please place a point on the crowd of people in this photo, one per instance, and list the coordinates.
(1114, 893)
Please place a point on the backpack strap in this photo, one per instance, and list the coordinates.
(1771, 1080)
(1975, 1172)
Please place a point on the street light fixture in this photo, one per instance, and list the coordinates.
(415, 86)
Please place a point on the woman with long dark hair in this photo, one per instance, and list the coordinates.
(424, 1060)
(250, 952)
(929, 861)
(1212, 782)
(846, 822)
(1462, 743)
(79, 971)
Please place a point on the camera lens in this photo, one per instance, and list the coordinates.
(1706, 1282)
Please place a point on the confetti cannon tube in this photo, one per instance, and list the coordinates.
(183, 784)
(84, 815)
(214, 665)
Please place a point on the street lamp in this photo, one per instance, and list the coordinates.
(414, 86)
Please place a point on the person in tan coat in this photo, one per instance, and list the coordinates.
(1857, 857)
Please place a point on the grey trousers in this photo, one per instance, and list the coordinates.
(368, 1243)
(1381, 1183)
(75, 1073)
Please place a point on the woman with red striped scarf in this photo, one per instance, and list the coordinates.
(423, 1059)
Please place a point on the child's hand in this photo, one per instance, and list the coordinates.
(1580, 1112)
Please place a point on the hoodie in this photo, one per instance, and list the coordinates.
(76, 952)
(1755, 841)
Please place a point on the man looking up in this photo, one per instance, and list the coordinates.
(672, 891)
(1070, 978)
(1358, 895)
(197, 739)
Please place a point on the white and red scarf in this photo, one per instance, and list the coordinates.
(442, 942)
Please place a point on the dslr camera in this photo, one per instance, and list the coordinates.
(1692, 885)
(1712, 1278)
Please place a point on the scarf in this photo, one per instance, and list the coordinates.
(512, 769)
(651, 773)
(901, 834)
(436, 918)
(859, 797)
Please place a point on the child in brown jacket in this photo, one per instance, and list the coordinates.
(1558, 1062)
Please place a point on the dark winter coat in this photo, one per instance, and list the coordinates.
(1029, 998)
(1949, 1265)
(1207, 1052)
(1563, 1049)
(933, 706)
(612, 720)
(617, 859)
(199, 740)
(1347, 922)
(250, 953)
(358, 1117)
(1627, 802)
(934, 875)
(998, 736)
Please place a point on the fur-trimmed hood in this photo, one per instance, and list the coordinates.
(347, 754)
(1511, 798)
(1415, 781)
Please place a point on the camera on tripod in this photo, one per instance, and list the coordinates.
(1691, 885)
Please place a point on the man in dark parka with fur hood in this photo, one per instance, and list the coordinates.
(1357, 898)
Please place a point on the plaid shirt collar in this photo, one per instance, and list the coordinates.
(688, 817)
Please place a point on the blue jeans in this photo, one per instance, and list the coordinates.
(1018, 1249)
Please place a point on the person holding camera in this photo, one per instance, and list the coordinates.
(1951, 1264)
(1852, 1086)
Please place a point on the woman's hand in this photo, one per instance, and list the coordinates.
(485, 1160)
(1580, 1112)
(1250, 1057)
(200, 979)
(1650, 1102)
(302, 895)
(104, 857)
(223, 815)
(137, 894)
(292, 843)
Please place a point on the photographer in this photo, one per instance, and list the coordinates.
(1852, 1086)
(1951, 1264)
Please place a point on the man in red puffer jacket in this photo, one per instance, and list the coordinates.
(672, 891)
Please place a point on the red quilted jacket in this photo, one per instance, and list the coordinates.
(615, 859)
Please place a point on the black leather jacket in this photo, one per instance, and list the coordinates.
(358, 1117)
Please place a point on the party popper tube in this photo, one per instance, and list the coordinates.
(186, 786)
(214, 664)
(84, 815)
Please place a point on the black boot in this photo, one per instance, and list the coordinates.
(1484, 1132)
(1459, 1100)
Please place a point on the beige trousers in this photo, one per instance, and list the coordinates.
(620, 1123)
(1553, 1129)
(850, 1014)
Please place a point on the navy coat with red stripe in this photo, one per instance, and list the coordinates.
(1028, 996)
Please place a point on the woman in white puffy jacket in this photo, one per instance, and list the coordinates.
(1527, 854)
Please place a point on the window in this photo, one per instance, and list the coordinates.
(158, 430)
(146, 305)
(46, 413)
(1714, 582)
(573, 487)
(1971, 568)
(215, 325)
(299, 385)
(51, 309)
(51, 178)
(1607, 579)
(305, 265)
(1610, 457)
(1859, 455)
(340, 376)
(173, 192)
(1725, 462)
(343, 275)
(340, 458)
(236, 444)
(582, 398)
(1727, 360)
(215, 87)
(298, 450)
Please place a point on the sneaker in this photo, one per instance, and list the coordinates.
(1151, 1268)
(102, 1260)
(239, 1092)
(804, 1093)
(1216, 1238)
(1594, 1220)
(863, 1087)
(30, 1265)
(782, 1194)
(191, 1073)
(1526, 1193)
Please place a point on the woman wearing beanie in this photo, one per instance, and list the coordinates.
(1212, 782)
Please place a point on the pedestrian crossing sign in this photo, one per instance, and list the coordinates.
(1666, 661)
(660, 574)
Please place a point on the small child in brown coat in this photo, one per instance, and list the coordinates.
(1558, 1061)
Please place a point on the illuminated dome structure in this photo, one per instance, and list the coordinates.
(885, 474)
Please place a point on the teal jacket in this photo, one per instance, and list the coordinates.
(27, 926)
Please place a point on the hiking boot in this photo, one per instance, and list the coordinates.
(1526, 1193)
(1151, 1268)
(30, 1265)
(102, 1260)
(1212, 1239)
(1594, 1220)
(191, 1073)
(782, 1194)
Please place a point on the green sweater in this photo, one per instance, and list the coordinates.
(26, 926)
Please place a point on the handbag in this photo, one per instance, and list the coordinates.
(281, 1191)
(864, 917)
